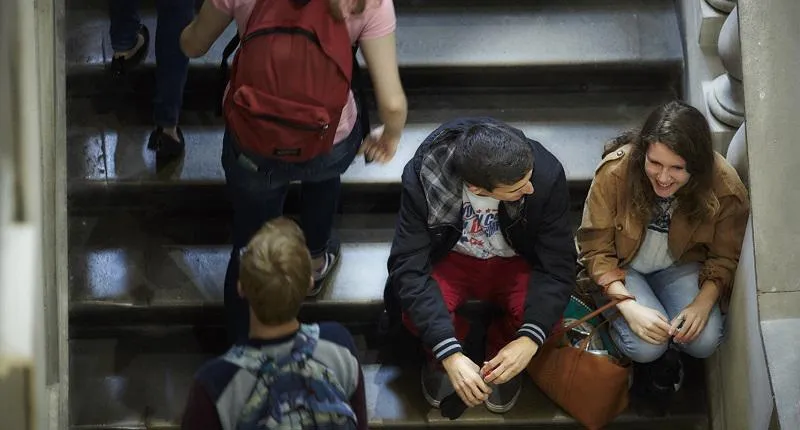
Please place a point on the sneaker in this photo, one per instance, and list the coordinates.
(120, 65)
(167, 149)
(504, 396)
(655, 384)
(435, 384)
(323, 275)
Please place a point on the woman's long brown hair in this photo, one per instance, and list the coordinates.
(684, 130)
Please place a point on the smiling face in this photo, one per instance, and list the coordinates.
(665, 169)
(507, 193)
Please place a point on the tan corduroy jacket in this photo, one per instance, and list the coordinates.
(610, 233)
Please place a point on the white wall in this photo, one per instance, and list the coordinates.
(33, 296)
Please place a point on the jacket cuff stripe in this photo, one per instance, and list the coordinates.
(532, 331)
(446, 347)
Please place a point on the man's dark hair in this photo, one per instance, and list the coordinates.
(489, 155)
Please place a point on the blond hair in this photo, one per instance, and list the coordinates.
(275, 271)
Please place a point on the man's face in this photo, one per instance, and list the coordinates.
(507, 193)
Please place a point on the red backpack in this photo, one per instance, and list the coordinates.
(289, 81)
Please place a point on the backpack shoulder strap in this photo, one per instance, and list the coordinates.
(253, 359)
(305, 342)
(224, 73)
(246, 357)
(357, 85)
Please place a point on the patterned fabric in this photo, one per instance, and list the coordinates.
(293, 392)
(662, 213)
(653, 254)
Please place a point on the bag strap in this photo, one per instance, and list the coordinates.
(613, 302)
(357, 85)
(223, 71)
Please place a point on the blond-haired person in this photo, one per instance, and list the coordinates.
(274, 276)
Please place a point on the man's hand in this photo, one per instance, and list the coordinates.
(464, 376)
(510, 360)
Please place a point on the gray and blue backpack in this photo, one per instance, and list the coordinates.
(293, 392)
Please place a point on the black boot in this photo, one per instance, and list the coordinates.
(167, 149)
(655, 384)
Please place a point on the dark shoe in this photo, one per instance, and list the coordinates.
(120, 66)
(167, 149)
(655, 384)
(436, 384)
(504, 396)
(324, 276)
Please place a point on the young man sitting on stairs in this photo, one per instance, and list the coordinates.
(484, 215)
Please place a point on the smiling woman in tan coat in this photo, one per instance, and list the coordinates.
(664, 222)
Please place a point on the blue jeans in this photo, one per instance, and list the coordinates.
(668, 291)
(257, 188)
(171, 64)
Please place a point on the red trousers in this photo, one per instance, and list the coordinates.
(502, 281)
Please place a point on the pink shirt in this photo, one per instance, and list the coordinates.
(378, 20)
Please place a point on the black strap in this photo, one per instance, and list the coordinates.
(357, 84)
(224, 73)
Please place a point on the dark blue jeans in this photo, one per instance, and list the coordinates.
(257, 189)
(171, 64)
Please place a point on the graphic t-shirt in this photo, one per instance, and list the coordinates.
(481, 236)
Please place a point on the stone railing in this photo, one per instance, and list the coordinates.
(738, 378)
(770, 59)
(725, 6)
(726, 98)
(753, 380)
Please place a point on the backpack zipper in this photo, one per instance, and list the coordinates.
(322, 129)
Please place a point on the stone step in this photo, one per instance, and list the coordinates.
(138, 269)
(575, 46)
(109, 164)
(142, 382)
(128, 270)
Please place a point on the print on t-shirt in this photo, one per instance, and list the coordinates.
(480, 235)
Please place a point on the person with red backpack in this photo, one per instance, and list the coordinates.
(291, 114)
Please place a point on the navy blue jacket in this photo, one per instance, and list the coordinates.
(429, 225)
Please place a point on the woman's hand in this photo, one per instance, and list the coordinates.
(380, 146)
(691, 321)
(647, 323)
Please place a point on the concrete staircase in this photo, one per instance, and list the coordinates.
(148, 250)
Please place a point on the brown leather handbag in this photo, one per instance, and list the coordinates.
(593, 388)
